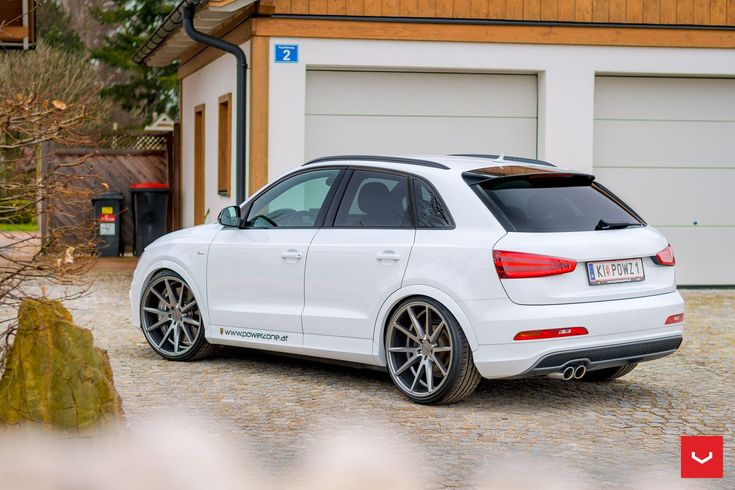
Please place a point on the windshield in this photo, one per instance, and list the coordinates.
(549, 203)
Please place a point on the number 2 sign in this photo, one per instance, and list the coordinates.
(287, 53)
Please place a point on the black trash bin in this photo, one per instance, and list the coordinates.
(150, 213)
(107, 208)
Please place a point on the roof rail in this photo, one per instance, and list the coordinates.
(505, 157)
(379, 158)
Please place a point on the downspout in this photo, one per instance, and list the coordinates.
(240, 96)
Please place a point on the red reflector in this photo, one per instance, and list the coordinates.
(550, 333)
(678, 318)
(665, 257)
(516, 265)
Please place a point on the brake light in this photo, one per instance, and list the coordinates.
(550, 333)
(665, 257)
(516, 265)
(678, 318)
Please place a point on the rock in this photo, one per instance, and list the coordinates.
(54, 375)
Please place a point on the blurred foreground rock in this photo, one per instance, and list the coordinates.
(54, 375)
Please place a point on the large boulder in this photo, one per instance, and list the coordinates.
(54, 375)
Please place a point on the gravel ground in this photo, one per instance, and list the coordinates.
(277, 411)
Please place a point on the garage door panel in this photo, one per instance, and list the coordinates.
(415, 135)
(702, 254)
(663, 144)
(420, 94)
(674, 196)
(664, 98)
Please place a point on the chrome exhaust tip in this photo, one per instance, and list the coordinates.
(565, 375)
(580, 371)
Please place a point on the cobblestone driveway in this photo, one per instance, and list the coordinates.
(611, 435)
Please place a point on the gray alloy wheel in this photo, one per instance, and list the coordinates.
(428, 356)
(171, 319)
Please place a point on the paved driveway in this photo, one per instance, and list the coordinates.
(274, 409)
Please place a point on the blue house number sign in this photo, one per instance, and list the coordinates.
(287, 53)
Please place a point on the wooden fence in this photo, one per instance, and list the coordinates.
(126, 159)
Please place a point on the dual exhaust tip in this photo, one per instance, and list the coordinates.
(570, 372)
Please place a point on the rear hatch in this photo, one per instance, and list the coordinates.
(608, 252)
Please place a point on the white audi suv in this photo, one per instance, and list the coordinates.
(442, 269)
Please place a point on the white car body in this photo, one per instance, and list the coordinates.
(328, 292)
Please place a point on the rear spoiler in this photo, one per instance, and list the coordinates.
(550, 178)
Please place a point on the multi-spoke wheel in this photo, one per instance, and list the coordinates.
(171, 319)
(428, 355)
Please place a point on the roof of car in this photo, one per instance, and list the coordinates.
(456, 162)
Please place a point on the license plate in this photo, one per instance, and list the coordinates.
(615, 271)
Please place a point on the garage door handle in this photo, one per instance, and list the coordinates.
(291, 254)
(389, 257)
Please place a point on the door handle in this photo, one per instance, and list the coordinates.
(389, 256)
(291, 254)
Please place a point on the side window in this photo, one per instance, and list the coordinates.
(294, 203)
(430, 213)
(375, 200)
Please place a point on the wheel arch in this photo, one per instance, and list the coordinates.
(390, 304)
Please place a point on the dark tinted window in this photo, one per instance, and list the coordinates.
(554, 204)
(375, 200)
(430, 213)
(294, 202)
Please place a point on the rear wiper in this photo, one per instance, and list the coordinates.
(614, 225)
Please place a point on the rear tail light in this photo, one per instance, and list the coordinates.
(665, 257)
(516, 265)
(551, 333)
(678, 318)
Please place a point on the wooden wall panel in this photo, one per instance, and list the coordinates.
(600, 10)
(374, 8)
(682, 12)
(718, 12)
(426, 8)
(651, 11)
(583, 11)
(566, 10)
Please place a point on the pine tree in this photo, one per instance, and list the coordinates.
(136, 88)
(55, 27)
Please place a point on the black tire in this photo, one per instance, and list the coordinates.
(195, 344)
(461, 376)
(608, 374)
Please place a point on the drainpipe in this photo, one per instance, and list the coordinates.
(240, 96)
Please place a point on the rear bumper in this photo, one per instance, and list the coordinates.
(606, 356)
(621, 332)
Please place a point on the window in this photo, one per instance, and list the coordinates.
(554, 203)
(374, 200)
(294, 202)
(199, 164)
(430, 212)
(224, 145)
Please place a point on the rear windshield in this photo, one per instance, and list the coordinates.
(547, 203)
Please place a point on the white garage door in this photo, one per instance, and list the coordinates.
(667, 146)
(349, 112)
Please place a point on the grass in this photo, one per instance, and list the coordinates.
(29, 227)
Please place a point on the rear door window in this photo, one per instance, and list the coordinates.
(548, 203)
(374, 200)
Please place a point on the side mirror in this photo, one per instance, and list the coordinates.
(230, 217)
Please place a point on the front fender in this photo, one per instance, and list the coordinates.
(418, 290)
(143, 276)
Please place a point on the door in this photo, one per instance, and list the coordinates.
(199, 163)
(354, 265)
(393, 113)
(665, 145)
(255, 275)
